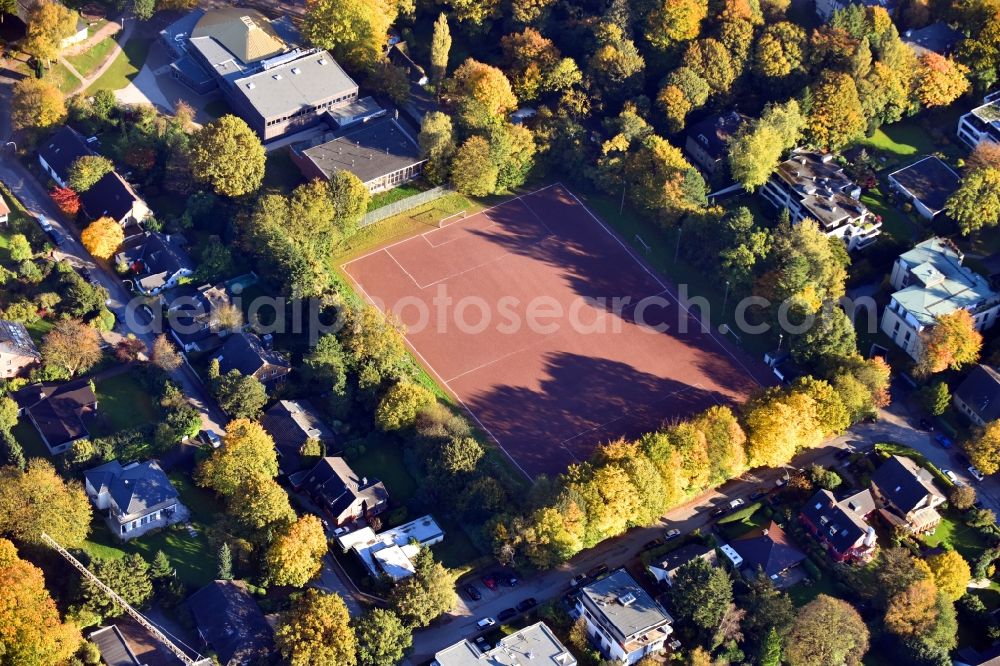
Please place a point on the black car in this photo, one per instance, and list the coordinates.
(963, 459)
(926, 425)
(507, 578)
(506, 614)
(655, 543)
(718, 511)
(471, 592)
(599, 570)
(760, 493)
(527, 604)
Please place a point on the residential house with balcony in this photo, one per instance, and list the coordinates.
(344, 496)
(197, 318)
(811, 185)
(135, 498)
(841, 526)
(622, 619)
(931, 282)
(981, 123)
(906, 496)
(534, 645)
(391, 553)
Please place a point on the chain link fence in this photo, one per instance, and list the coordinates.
(403, 205)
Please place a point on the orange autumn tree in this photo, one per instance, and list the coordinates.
(951, 343)
(67, 200)
(940, 80)
(102, 237)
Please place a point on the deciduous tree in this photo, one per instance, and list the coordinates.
(703, 595)
(102, 237)
(36, 499)
(975, 204)
(940, 80)
(475, 12)
(780, 51)
(355, 31)
(482, 94)
(374, 345)
(382, 638)
(400, 405)
(66, 199)
(984, 448)
(241, 396)
(913, 611)
(952, 342)
(349, 198)
(36, 104)
(951, 573)
(261, 504)
(437, 146)
(86, 170)
(296, 555)
(836, 117)
(317, 630)
(71, 347)
(48, 24)
(473, 170)
(826, 632)
(425, 595)
(675, 21)
(935, 398)
(33, 633)
(165, 355)
(778, 425)
(440, 48)
(227, 155)
(247, 452)
(757, 148)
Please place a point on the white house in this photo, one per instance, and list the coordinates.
(535, 645)
(135, 498)
(391, 552)
(622, 619)
(982, 123)
(927, 184)
(811, 185)
(931, 282)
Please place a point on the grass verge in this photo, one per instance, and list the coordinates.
(125, 67)
(87, 62)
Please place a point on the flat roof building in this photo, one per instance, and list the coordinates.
(981, 124)
(535, 645)
(401, 545)
(927, 184)
(381, 152)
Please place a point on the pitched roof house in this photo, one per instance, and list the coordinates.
(841, 526)
(114, 649)
(707, 142)
(193, 317)
(17, 349)
(59, 151)
(768, 549)
(136, 497)
(245, 353)
(906, 495)
(978, 397)
(622, 618)
(157, 261)
(113, 197)
(231, 623)
(937, 37)
(665, 568)
(59, 412)
(344, 496)
(292, 423)
(4, 211)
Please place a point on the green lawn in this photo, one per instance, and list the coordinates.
(29, 439)
(808, 590)
(383, 460)
(741, 522)
(902, 139)
(457, 550)
(396, 194)
(953, 533)
(894, 222)
(125, 66)
(192, 557)
(88, 61)
(124, 403)
(62, 78)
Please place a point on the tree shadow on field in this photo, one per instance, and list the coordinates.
(581, 402)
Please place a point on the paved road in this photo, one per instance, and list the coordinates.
(897, 423)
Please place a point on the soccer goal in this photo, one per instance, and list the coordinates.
(460, 215)
(644, 244)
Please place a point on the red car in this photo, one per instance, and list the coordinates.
(490, 582)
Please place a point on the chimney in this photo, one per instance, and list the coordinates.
(364, 481)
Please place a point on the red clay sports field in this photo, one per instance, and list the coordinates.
(549, 393)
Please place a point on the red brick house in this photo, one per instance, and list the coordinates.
(842, 526)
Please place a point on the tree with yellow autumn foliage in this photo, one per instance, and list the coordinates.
(102, 237)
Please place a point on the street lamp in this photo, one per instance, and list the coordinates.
(11, 143)
(725, 299)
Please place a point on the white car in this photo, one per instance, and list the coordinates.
(976, 474)
(737, 503)
(672, 534)
(486, 622)
(952, 477)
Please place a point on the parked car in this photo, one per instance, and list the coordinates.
(578, 580)
(45, 223)
(599, 570)
(507, 578)
(341, 531)
(976, 474)
(672, 534)
(527, 604)
(943, 440)
(951, 477)
(737, 503)
(655, 543)
(57, 237)
(471, 592)
(963, 459)
(926, 425)
(490, 582)
(211, 438)
(486, 622)
(780, 482)
(506, 614)
(718, 511)
(760, 493)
